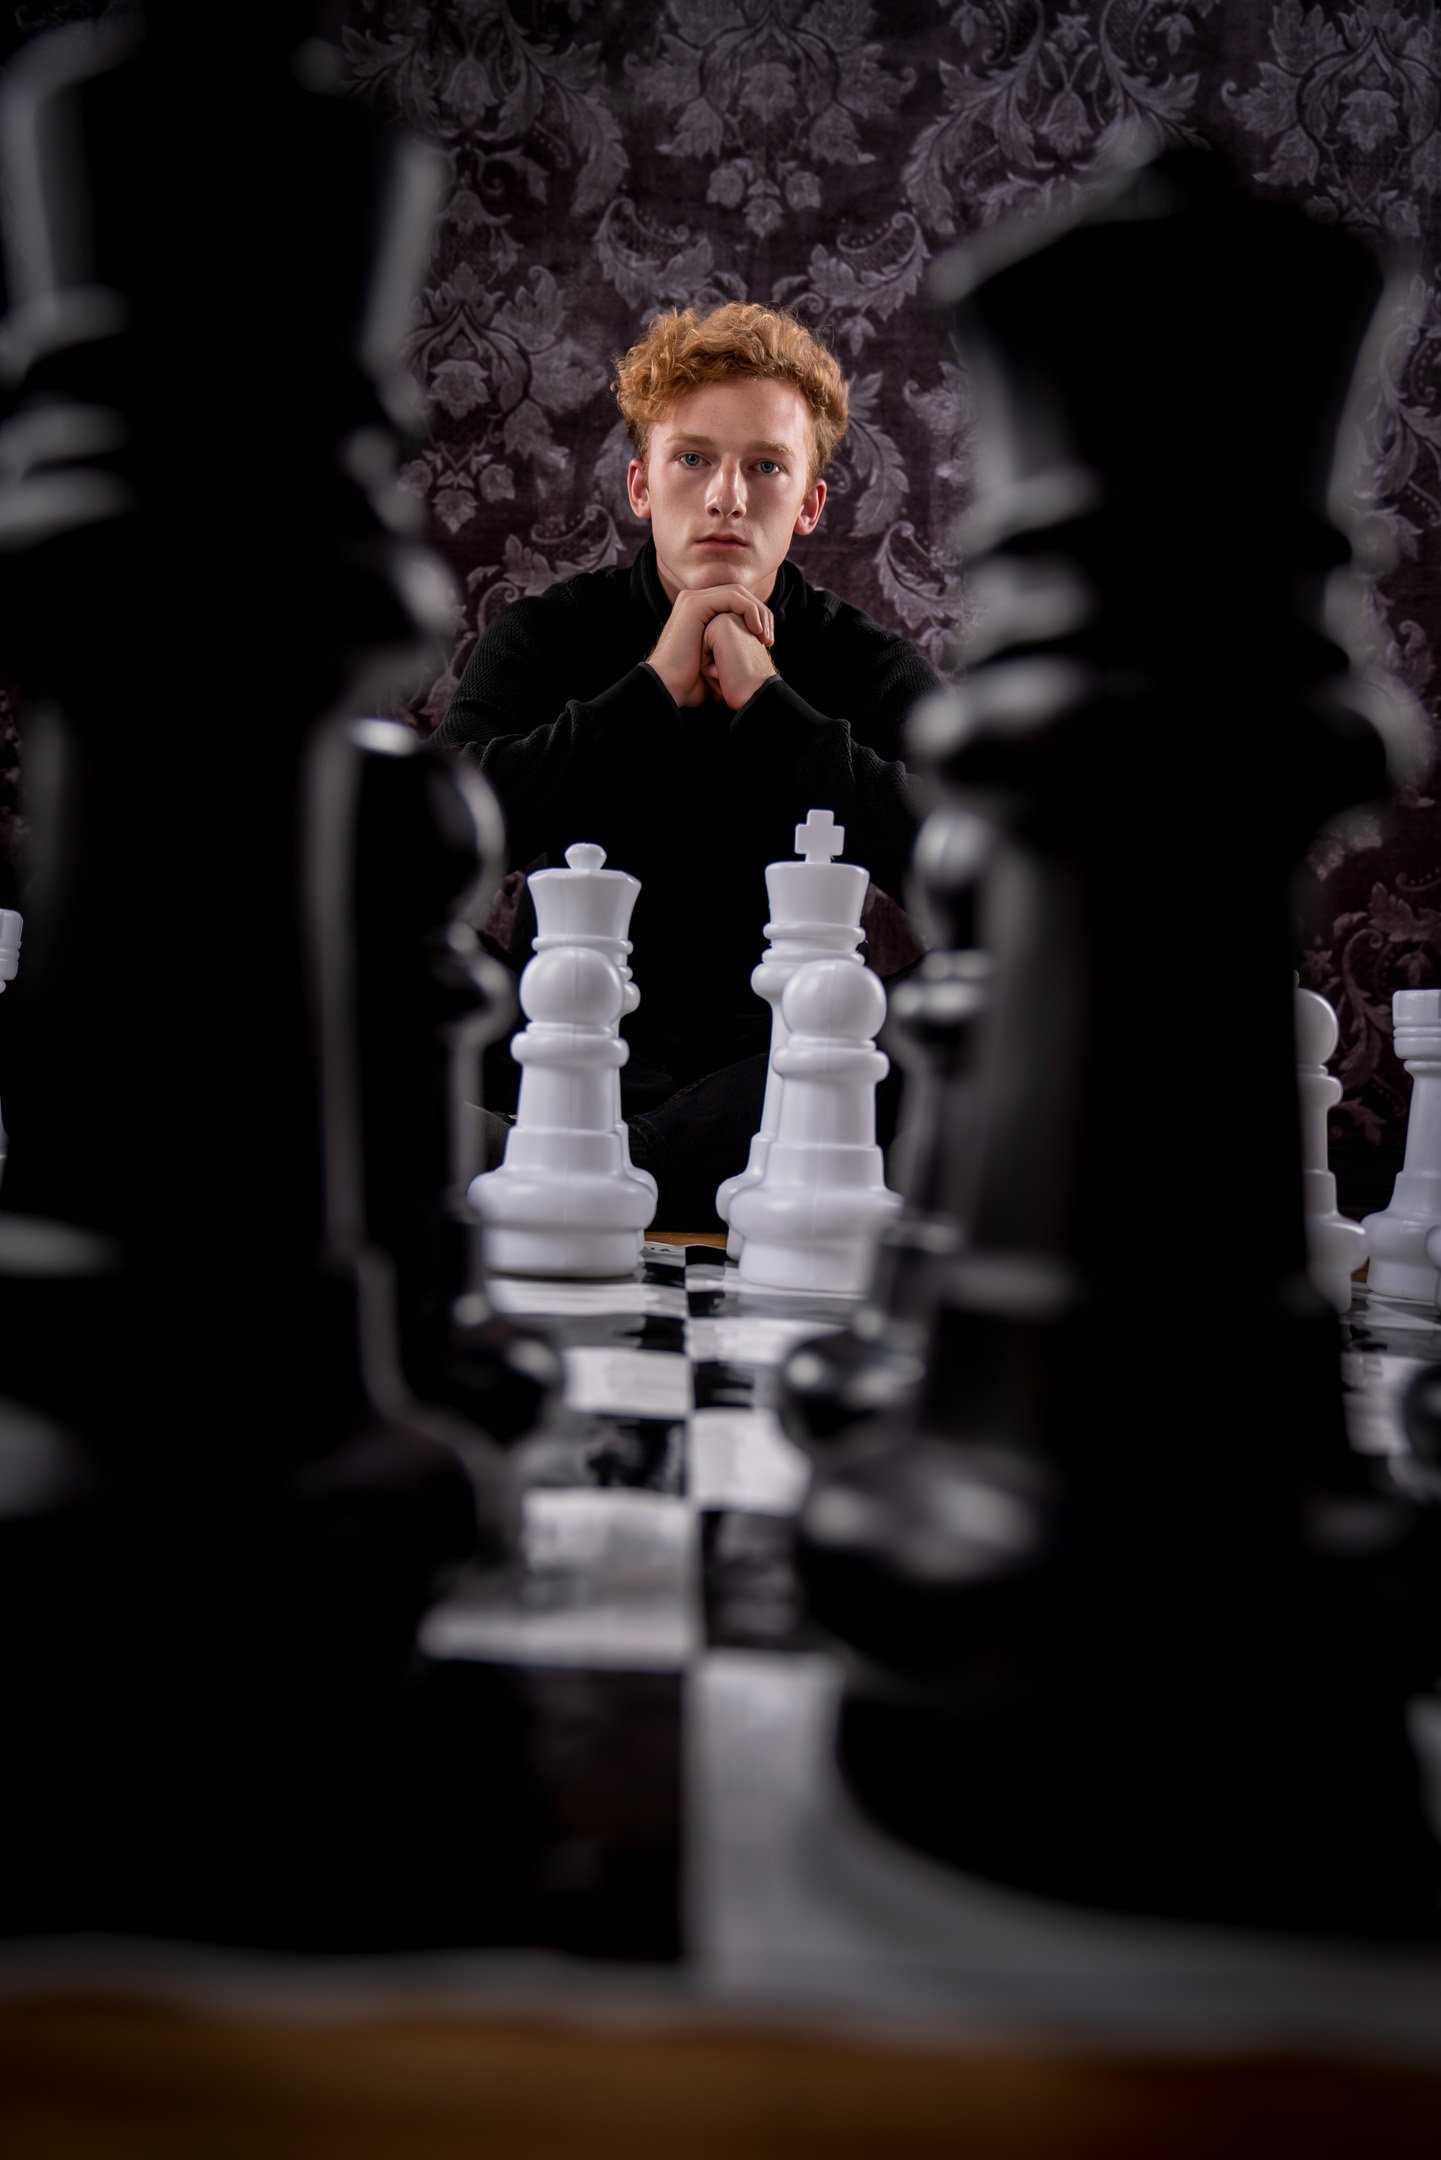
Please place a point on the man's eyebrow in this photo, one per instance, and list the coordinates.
(755, 449)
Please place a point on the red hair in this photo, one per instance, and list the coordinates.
(683, 351)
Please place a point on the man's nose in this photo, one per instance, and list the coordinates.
(727, 489)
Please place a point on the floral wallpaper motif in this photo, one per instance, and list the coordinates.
(604, 158)
(1032, 95)
(1347, 108)
(1342, 113)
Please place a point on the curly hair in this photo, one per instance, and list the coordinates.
(682, 351)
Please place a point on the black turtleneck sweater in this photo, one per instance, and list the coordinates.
(581, 741)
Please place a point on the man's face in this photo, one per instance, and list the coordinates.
(725, 487)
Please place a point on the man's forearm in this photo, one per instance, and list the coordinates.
(550, 776)
(874, 797)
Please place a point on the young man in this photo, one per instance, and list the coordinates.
(688, 710)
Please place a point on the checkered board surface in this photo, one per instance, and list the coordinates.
(655, 1511)
(657, 1497)
(681, 1706)
(665, 1804)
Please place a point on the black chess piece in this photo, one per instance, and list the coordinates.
(1421, 1420)
(428, 841)
(1121, 1614)
(838, 1384)
(222, 1517)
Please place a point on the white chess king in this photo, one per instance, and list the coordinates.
(1402, 1262)
(815, 909)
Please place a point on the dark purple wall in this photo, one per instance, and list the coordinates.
(603, 160)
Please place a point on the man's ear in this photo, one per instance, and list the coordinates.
(637, 487)
(811, 508)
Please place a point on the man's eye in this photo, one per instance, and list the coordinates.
(767, 465)
(690, 457)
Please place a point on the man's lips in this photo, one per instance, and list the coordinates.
(721, 540)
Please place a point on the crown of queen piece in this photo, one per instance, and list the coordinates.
(584, 902)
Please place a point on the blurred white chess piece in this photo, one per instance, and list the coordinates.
(812, 1218)
(1337, 1246)
(1404, 1260)
(815, 909)
(11, 926)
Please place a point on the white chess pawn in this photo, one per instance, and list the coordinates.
(587, 904)
(1403, 1262)
(11, 925)
(811, 1221)
(1337, 1246)
(815, 909)
(564, 1201)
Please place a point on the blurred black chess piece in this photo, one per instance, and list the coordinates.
(835, 1385)
(222, 1517)
(1421, 1421)
(428, 849)
(1128, 1622)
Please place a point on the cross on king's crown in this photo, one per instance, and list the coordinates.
(820, 838)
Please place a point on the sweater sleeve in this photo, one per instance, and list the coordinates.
(857, 769)
(550, 758)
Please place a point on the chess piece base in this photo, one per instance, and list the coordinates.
(561, 1252)
(843, 1268)
(1400, 1264)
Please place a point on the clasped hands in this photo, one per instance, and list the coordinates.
(716, 644)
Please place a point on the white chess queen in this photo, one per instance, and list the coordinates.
(565, 1200)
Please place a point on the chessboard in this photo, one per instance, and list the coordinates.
(656, 1498)
(678, 1704)
(697, 1877)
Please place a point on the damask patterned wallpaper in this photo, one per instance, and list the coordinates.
(605, 158)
